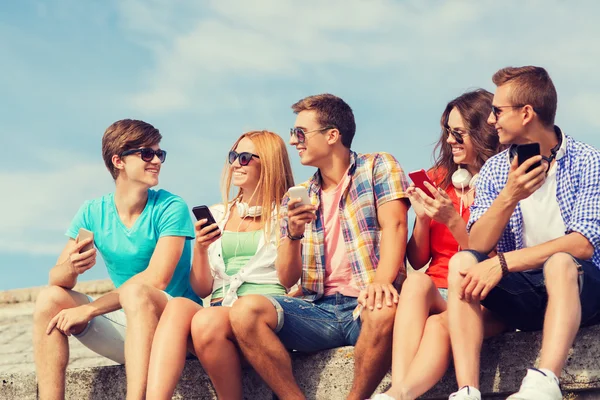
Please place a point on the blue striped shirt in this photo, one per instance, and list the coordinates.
(577, 194)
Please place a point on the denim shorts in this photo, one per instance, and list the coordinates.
(520, 298)
(312, 326)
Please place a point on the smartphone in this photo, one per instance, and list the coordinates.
(202, 212)
(299, 192)
(418, 178)
(526, 151)
(82, 235)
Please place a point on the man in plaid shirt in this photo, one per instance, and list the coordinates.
(543, 219)
(351, 238)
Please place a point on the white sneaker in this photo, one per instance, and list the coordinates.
(466, 393)
(538, 385)
(382, 396)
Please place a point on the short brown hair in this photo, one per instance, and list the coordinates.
(331, 111)
(530, 86)
(126, 134)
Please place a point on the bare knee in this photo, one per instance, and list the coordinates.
(380, 320)
(437, 323)
(136, 298)
(560, 268)
(417, 285)
(457, 263)
(50, 301)
(208, 329)
(249, 311)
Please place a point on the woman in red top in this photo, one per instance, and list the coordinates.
(421, 346)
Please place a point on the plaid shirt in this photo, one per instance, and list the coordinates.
(577, 194)
(375, 179)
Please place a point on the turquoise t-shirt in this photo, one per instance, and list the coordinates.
(127, 251)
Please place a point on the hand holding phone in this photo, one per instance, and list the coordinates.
(83, 256)
(526, 151)
(419, 178)
(298, 213)
(206, 232)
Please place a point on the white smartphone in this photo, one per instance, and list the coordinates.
(82, 235)
(299, 192)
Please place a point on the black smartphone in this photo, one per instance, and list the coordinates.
(202, 212)
(526, 151)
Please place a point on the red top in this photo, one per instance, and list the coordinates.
(442, 245)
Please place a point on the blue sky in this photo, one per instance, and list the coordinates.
(204, 72)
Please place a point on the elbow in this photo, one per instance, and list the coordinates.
(287, 279)
(161, 284)
(586, 250)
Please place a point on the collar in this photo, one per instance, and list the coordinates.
(316, 179)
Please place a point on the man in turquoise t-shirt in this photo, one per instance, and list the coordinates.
(143, 236)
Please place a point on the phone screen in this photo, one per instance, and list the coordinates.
(202, 212)
(526, 151)
(418, 178)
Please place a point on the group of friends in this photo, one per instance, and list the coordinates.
(508, 244)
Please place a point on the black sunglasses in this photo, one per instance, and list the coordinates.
(147, 154)
(458, 136)
(244, 157)
(301, 134)
(497, 110)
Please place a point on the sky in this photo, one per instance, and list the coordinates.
(204, 72)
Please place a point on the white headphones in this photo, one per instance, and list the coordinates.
(245, 211)
(462, 179)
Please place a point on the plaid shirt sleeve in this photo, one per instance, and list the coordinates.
(389, 180)
(585, 216)
(485, 191)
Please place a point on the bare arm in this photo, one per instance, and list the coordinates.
(289, 254)
(392, 221)
(158, 274)
(71, 264)
(418, 249)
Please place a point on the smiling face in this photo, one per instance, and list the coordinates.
(509, 120)
(315, 146)
(246, 177)
(462, 153)
(134, 169)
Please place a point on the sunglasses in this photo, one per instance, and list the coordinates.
(458, 136)
(147, 154)
(244, 157)
(301, 134)
(497, 110)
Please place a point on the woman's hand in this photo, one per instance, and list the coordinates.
(440, 208)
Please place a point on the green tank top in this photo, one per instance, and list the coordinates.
(237, 248)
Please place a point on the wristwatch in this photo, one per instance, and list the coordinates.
(294, 237)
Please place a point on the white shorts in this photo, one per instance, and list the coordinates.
(105, 334)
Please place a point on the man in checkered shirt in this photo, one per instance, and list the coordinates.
(534, 238)
(351, 238)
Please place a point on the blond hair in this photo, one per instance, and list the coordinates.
(275, 176)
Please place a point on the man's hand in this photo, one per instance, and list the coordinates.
(376, 293)
(521, 184)
(70, 319)
(81, 262)
(479, 279)
(298, 216)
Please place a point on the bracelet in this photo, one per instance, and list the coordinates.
(294, 237)
(503, 264)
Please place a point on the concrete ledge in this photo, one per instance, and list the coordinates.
(328, 374)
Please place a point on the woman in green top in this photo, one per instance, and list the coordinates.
(233, 257)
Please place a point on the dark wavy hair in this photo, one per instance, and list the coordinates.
(474, 108)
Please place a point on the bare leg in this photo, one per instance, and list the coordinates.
(563, 313)
(373, 351)
(254, 319)
(216, 349)
(418, 299)
(431, 361)
(51, 352)
(465, 324)
(143, 305)
(169, 347)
